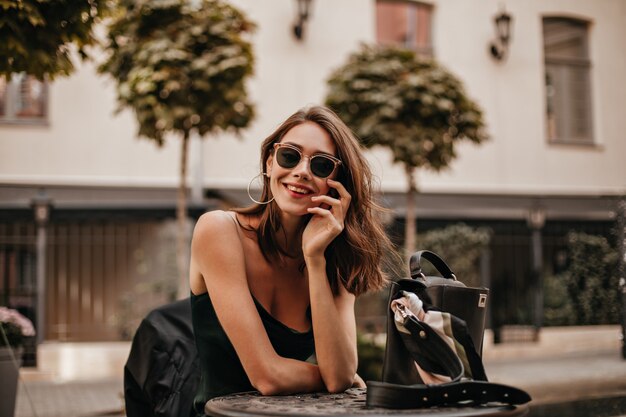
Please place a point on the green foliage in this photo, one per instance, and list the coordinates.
(181, 65)
(461, 246)
(13, 335)
(592, 279)
(38, 35)
(415, 107)
(371, 357)
(558, 308)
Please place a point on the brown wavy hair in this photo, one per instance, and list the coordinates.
(355, 258)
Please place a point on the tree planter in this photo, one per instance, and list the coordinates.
(9, 374)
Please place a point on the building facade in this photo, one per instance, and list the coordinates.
(86, 207)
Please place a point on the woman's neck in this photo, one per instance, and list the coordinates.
(290, 235)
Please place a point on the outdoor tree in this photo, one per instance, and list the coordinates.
(39, 36)
(181, 66)
(412, 106)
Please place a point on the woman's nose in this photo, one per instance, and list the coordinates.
(303, 168)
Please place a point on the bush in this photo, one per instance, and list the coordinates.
(558, 306)
(592, 279)
(370, 359)
(461, 246)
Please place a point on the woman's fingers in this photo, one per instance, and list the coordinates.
(358, 382)
(340, 205)
(344, 195)
(336, 206)
(321, 212)
(326, 199)
(326, 213)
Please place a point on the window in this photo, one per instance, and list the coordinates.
(23, 99)
(568, 81)
(405, 23)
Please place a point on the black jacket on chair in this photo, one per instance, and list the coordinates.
(162, 373)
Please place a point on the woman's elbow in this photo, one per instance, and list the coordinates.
(266, 385)
(339, 384)
(338, 378)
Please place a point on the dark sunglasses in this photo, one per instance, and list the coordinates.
(289, 156)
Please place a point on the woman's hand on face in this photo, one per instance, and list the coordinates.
(326, 223)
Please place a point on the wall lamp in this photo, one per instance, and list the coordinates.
(41, 208)
(304, 7)
(500, 46)
(536, 217)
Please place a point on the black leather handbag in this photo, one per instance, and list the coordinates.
(447, 293)
(435, 328)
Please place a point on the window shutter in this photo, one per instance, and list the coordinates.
(405, 23)
(568, 81)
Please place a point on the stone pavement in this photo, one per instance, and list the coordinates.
(567, 364)
(566, 378)
(89, 398)
(74, 380)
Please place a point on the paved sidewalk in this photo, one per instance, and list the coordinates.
(74, 380)
(562, 379)
(567, 364)
(89, 398)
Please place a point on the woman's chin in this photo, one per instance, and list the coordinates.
(293, 209)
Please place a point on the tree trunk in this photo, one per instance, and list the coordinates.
(181, 216)
(410, 229)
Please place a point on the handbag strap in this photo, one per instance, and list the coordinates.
(415, 267)
(387, 395)
(430, 351)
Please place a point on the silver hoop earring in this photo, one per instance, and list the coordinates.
(250, 195)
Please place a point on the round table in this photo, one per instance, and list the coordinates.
(349, 403)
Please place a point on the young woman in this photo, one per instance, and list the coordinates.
(265, 279)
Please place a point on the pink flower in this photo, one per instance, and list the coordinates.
(15, 326)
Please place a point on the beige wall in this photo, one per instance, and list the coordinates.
(518, 158)
(85, 143)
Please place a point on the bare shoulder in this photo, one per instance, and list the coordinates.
(216, 250)
(214, 222)
(215, 234)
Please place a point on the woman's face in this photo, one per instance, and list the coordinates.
(293, 188)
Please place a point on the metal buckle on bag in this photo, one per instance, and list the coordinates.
(482, 300)
(402, 309)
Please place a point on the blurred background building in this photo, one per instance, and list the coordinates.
(87, 209)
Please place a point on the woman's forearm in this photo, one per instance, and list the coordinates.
(288, 376)
(334, 329)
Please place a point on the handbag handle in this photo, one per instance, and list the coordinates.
(415, 267)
